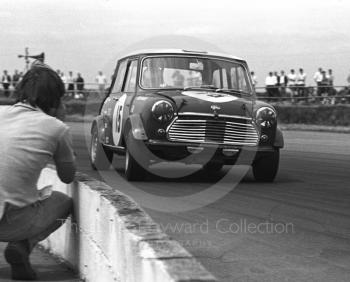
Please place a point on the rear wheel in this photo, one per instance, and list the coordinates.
(100, 157)
(265, 168)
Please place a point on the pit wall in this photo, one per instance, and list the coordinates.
(111, 238)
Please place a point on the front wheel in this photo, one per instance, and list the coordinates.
(133, 170)
(265, 168)
(100, 157)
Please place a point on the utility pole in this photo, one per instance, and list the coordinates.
(26, 56)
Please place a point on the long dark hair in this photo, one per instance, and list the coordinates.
(40, 87)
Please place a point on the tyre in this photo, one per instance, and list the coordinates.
(100, 157)
(265, 168)
(133, 171)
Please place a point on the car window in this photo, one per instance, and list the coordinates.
(239, 79)
(220, 78)
(168, 72)
(130, 83)
(118, 84)
(171, 73)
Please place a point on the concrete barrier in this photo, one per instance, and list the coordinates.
(111, 238)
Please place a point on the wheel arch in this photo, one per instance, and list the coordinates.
(134, 123)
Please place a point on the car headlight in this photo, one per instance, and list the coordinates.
(266, 117)
(163, 111)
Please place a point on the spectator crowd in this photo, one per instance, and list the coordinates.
(8, 80)
(75, 85)
(281, 86)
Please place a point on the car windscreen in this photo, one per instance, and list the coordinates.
(174, 72)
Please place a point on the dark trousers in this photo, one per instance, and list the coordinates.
(6, 87)
(320, 89)
(301, 90)
(269, 92)
(272, 93)
(37, 221)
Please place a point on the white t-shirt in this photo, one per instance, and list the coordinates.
(318, 76)
(301, 78)
(70, 79)
(30, 139)
(101, 79)
(64, 79)
(254, 80)
(292, 77)
(271, 80)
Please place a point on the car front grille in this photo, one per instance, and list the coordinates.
(232, 131)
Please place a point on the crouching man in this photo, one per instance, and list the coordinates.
(32, 135)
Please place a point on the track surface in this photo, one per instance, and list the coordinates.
(299, 225)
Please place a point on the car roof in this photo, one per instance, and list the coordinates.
(179, 52)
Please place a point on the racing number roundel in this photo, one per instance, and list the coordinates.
(118, 120)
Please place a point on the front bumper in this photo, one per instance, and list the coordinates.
(199, 153)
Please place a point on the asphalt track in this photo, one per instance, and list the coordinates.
(295, 229)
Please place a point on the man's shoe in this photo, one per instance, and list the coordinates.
(17, 255)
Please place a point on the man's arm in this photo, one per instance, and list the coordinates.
(66, 171)
(64, 158)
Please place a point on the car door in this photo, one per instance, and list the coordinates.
(109, 105)
(123, 101)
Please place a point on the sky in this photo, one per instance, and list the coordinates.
(89, 35)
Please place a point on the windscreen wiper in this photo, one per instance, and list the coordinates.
(217, 89)
(201, 87)
(231, 91)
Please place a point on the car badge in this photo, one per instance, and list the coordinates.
(215, 108)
